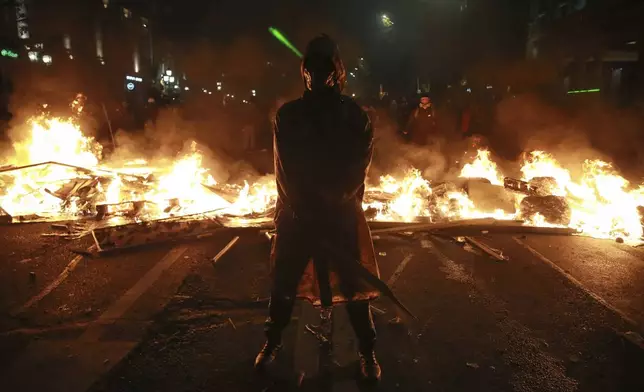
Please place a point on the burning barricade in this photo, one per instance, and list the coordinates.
(56, 174)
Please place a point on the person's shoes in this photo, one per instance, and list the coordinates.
(370, 371)
(266, 356)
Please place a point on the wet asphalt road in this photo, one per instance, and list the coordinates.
(554, 317)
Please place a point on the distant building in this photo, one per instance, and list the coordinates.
(597, 45)
(104, 48)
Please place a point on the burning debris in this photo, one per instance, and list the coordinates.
(57, 174)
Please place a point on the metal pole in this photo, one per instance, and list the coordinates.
(109, 125)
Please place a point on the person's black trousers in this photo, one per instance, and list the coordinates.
(288, 268)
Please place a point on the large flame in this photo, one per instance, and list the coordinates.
(483, 167)
(603, 204)
(407, 198)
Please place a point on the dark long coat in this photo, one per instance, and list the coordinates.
(322, 152)
(421, 125)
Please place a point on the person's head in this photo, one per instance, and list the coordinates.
(425, 101)
(322, 67)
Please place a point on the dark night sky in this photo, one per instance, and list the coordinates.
(430, 36)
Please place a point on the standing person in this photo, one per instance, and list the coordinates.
(248, 137)
(322, 152)
(422, 122)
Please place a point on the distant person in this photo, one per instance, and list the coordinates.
(422, 122)
(249, 137)
(466, 118)
(252, 121)
(322, 250)
(393, 108)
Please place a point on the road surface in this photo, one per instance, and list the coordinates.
(561, 314)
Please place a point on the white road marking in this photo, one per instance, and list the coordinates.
(575, 282)
(399, 270)
(123, 304)
(53, 285)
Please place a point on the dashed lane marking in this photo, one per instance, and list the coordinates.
(121, 306)
(399, 270)
(74, 365)
(53, 285)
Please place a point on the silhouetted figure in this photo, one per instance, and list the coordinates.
(322, 151)
(422, 122)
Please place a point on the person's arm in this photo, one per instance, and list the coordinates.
(410, 122)
(357, 170)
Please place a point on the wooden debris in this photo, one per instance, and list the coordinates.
(416, 227)
(494, 253)
(519, 186)
(231, 322)
(224, 250)
(137, 234)
(554, 209)
(5, 217)
(490, 198)
(544, 186)
(470, 227)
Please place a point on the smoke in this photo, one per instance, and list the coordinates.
(573, 134)
(395, 157)
(176, 133)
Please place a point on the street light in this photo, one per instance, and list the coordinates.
(386, 20)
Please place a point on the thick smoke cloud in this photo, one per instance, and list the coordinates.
(585, 130)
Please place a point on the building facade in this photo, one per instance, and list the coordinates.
(596, 45)
(102, 48)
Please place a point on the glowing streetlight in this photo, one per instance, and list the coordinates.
(386, 20)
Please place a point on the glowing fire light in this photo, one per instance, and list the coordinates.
(603, 204)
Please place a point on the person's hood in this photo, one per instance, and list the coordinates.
(322, 68)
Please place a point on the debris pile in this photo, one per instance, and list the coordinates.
(57, 174)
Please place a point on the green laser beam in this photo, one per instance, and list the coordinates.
(593, 90)
(280, 37)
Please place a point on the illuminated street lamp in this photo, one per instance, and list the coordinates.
(386, 20)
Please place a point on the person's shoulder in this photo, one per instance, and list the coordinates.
(350, 103)
(289, 108)
(356, 115)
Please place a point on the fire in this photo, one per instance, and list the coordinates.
(50, 139)
(76, 182)
(603, 203)
(180, 187)
(482, 167)
(55, 139)
(407, 198)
